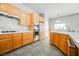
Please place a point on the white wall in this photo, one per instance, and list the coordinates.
(46, 26)
(71, 20)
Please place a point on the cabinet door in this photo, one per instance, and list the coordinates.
(62, 45)
(53, 40)
(42, 31)
(57, 39)
(5, 7)
(29, 18)
(5, 45)
(65, 47)
(41, 19)
(15, 11)
(27, 38)
(36, 18)
(78, 51)
(23, 18)
(31, 27)
(17, 42)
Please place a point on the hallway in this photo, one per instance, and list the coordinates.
(39, 48)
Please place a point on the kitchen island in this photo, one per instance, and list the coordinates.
(67, 42)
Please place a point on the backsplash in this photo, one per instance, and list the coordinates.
(11, 24)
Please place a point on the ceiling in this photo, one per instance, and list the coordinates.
(53, 10)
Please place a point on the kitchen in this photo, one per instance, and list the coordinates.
(39, 29)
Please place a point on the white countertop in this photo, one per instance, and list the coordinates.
(73, 35)
(15, 32)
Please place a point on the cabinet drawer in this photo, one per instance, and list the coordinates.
(27, 37)
(63, 36)
(5, 7)
(25, 34)
(15, 11)
(17, 34)
(3, 36)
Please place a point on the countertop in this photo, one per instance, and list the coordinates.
(74, 36)
(14, 32)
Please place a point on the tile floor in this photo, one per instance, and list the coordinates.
(39, 48)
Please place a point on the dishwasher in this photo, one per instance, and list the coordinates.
(73, 48)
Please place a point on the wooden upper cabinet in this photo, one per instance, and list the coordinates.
(5, 7)
(29, 18)
(26, 19)
(41, 19)
(15, 11)
(9, 8)
(23, 20)
(36, 18)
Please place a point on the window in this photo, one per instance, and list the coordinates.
(60, 26)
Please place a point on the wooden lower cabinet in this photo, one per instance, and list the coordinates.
(27, 38)
(51, 38)
(61, 42)
(10, 42)
(63, 46)
(5, 45)
(17, 40)
(42, 35)
(78, 51)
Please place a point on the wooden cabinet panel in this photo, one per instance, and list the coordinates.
(63, 45)
(17, 40)
(60, 41)
(57, 39)
(42, 30)
(27, 38)
(5, 7)
(29, 18)
(78, 51)
(52, 37)
(42, 35)
(23, 18)
(36, 18)
(41, 19)
(26, 19)
(8, 8)
(4, 36)
(5, 45)
(15, 11)
(27, 33)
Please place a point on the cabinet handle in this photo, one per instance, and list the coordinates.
(70, 45)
